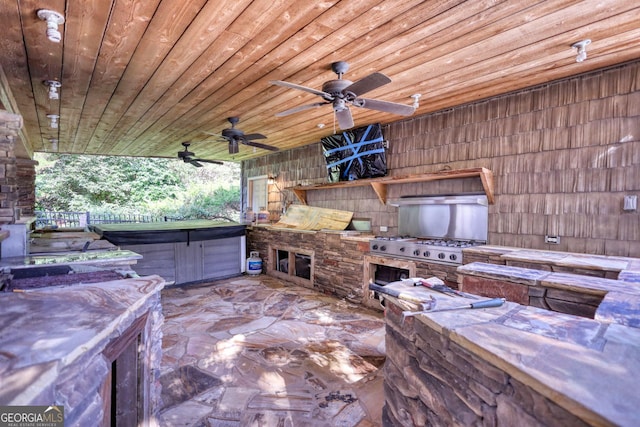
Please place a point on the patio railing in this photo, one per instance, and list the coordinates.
(50, 219)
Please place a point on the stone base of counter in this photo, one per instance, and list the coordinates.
(337, 260)
(341, 262)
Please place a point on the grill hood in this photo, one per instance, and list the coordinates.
(459, 217)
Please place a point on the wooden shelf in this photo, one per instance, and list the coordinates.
(379, 185)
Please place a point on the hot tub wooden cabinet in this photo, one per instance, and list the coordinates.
(182, 251)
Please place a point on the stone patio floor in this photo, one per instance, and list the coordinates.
(257, 351)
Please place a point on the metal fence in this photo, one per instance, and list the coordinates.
(50, 219)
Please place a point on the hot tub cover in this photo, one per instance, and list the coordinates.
(168, 232)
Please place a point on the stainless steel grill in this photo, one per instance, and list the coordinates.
(447, 251)
(436, 228)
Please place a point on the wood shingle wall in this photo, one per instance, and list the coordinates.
(564, 155)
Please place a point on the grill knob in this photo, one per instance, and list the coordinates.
(402, 249)
(427, 254)
(374, 247)
(453, 257)
(383, 248)
(416, 252)
(441, 255)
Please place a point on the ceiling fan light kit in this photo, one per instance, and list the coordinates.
(53, 19)
(342, 93)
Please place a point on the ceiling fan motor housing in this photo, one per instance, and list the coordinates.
(335, 88)
(232, 133)
(185, 153)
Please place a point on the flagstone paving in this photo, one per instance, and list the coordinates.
(256, 351)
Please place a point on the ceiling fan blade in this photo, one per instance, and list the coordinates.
(263, 146)
(304, 88)
(195, 163)
(255, 136)
(345, 119)
(301, 108)
(216, 162)
(366, 84)
(386, 106)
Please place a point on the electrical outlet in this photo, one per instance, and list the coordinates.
(630, 203)
(555, 240)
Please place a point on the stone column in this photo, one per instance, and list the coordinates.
(10, 124)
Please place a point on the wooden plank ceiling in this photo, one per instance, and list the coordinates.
(140, 77)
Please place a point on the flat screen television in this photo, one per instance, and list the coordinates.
(355, 154)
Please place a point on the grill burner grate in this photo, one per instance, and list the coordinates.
(447, 251)
(447, 243)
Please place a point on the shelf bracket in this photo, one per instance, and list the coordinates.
(301, 194)
(381, 190)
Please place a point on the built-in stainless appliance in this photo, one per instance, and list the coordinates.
(436, 228)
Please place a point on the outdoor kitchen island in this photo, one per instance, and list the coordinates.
(93, 349)
(510, 365)
(182, 251)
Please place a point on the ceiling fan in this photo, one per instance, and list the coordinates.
(341, 93)
(187, 157)
(234, 136)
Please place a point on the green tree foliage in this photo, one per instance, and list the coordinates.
(135, 185)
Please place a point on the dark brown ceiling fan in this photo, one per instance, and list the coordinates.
(234, 136)
(341, 93)
(188, 157)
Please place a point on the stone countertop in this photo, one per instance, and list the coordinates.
(354, 235)
(87, 258)
(621, 303)
(274, 228)
(532, 277)
(584, 365)
(561, 259)
(46, 329)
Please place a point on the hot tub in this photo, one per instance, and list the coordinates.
(182, 251)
